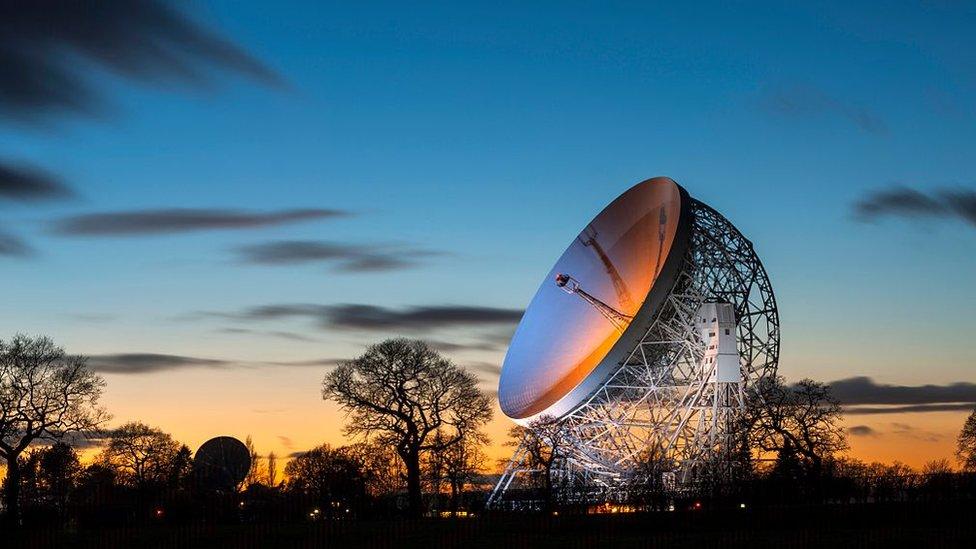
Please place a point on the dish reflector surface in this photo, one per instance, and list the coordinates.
(562, 337)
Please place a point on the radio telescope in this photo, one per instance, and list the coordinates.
(643, 338)
(221, 464)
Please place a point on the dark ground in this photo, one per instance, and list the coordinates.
(927, 525)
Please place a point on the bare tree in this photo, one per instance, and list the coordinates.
(253, 471)
(401, 392)
(334, 477)
(142, 456)
(58, 474)
(272, 469)
(801, 423)
(45, 394)
(966, 444)
(384, 469)
(461, 463)
(546, 443)
(650, 482)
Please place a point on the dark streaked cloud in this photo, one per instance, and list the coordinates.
(148, 363)
(372, 317)
(345, 257)
(48, 48)
(809, 101)
(862, 431)
(81, 441)
(178, 220)
(454, 346)
(863, 390)
(948, 407)
(144, 363)
(861, 395)
(28, 184)
(281, 334)
(14, 246)
(909, 431)
(328, 362)
(490, 369)
(909, 203)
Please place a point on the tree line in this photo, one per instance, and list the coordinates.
(415, 419)
(792, 451)
(415, 422)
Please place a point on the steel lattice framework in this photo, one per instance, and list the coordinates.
(663, 398)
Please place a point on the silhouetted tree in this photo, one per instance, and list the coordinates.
(141, 456)
(45, 394)
(385, 474)
(966, 444)
(432, 467)
(333, 477)
(253, 471)
(272, 467)
(58, 475)
(546, 445)
(30, 491)
(401, 392)
(800, 424)
(181, 469)
(461, 463)
(937, 479)
(96, 492)
(454, 465)
(651, 482)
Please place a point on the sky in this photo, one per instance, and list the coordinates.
(216, 201)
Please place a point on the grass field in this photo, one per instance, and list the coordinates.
(888, 525)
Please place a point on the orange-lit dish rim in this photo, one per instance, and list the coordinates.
(627, 341)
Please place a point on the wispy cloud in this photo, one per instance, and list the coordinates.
(862, 431)
(376, 318)
(453, 346)
(280, 334)
(24, 183)
(286, 442)
(344, 257)
(328, 362)
(181, 220)
(861, 395)
(895, 429)
(909, 203)
(150, 363)
(47, 51)
(489, 369)
(145, 363)
(808, 101)
(910, 431)
(14, 246)
(911, 408)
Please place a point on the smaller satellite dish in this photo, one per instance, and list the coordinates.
(221, 464)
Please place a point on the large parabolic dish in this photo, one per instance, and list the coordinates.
(221, 464)
(643, 340)
(564, 347)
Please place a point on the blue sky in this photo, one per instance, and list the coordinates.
(490, 134)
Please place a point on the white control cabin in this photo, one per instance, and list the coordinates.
(716, 324)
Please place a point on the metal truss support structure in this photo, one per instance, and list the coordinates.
(664, 402)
